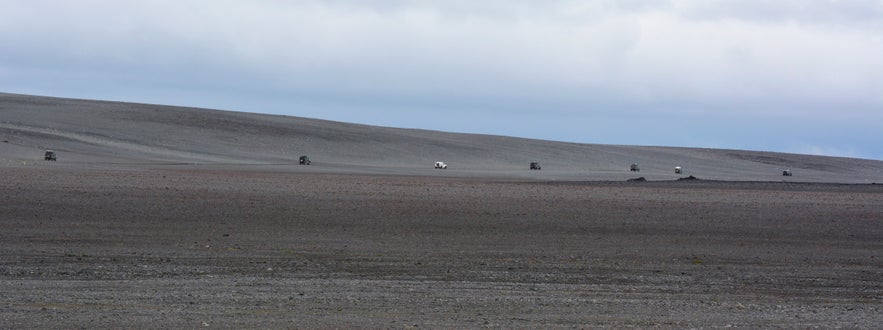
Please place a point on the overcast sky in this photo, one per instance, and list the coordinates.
(801, 76)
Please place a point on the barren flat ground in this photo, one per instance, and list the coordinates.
(167, 217)
(189, 246)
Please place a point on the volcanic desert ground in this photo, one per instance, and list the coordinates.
(168, 217)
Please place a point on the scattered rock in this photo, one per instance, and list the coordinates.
(641, 179)
(688, 178)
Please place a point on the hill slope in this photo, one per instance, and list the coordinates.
(101, 133)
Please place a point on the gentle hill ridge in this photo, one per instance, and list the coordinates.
(88, 131)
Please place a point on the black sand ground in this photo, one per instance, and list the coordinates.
(86, 133)
(169, 231)
(183, 247)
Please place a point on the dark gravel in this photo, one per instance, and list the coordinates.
(191, 246)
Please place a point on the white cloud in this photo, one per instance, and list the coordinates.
(711, 58)
(614, 52)
(847, 13)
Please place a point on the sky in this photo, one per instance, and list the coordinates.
(801, 76)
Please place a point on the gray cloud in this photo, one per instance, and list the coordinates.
(855, 13)
(404, 61)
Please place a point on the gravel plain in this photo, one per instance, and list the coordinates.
(167, 217)
(185, 247)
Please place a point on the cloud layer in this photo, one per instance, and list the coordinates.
(496, 66)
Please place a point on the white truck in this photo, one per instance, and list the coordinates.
(441, 165)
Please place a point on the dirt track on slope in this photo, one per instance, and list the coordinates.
(187, 247)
